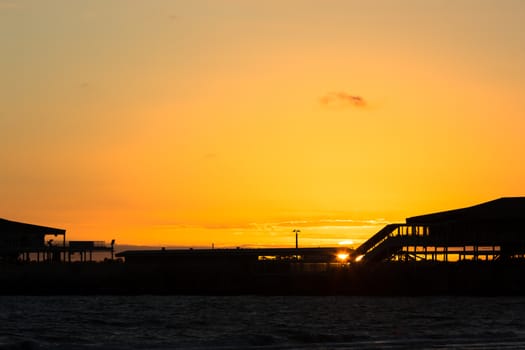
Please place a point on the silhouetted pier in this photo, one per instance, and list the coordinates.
(479, 250)
(28, 242)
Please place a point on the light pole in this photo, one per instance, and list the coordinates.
(296, 238)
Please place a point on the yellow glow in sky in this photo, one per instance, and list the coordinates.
(234, 122)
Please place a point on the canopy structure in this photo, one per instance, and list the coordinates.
(20, 237)
(7, 226)
(507, 209)
(44, 243)
(493, 230)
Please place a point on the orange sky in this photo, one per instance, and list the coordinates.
(234, 122)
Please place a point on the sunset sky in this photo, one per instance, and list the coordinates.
(188, 123)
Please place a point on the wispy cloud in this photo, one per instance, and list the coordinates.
(313, 233)
(278, 225)
(342, 99)
(210, 155)
(332, 223)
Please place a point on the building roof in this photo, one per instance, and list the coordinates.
(504, 209)
(28, 229)
(232, 252)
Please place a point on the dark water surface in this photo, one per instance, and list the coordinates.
(252, 322)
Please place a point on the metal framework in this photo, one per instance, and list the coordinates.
(485, 232)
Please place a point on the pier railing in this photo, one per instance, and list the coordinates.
(388, 240)
(75, 244)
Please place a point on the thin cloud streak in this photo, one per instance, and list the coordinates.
(332, 223)
(271, 226)
(343, 100)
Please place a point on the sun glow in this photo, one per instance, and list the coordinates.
(342, 257)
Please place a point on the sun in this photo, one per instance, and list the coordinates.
(342, 257)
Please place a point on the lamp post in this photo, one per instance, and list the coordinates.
(296, 231)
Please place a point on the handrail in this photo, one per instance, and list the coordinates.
(58, 244)
(371, 245)
(387, 247)
(376, 239)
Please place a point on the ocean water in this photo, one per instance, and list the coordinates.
(256, 322)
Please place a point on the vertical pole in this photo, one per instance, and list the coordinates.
(113, 248)
(296, 231)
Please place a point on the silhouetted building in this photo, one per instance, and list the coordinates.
(21, 241)
(306, 259)
(489, 231)
(18, 238)
(479, 250)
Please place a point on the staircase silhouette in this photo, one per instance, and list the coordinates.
(381, 245)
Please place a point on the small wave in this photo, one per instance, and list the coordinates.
(20, 345)
(260, 323)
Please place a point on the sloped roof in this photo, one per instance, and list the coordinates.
(504, 209)
(23, 228)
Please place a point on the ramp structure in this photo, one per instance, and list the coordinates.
(489, 231)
